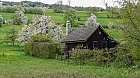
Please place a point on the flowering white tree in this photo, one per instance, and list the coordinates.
(19, 18)
(43, 25)
(91, 21)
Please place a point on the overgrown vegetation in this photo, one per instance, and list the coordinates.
(93, 57)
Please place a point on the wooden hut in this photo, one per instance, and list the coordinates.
(89, 37)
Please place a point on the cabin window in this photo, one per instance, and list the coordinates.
(104, 44)
(95, 44)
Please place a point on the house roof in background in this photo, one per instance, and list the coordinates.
(80, 34)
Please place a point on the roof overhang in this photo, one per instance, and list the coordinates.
(75, 41)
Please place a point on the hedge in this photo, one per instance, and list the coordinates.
(42, 49)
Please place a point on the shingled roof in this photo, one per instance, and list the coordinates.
(80, 34)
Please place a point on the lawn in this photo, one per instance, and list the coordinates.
(15, 64)
(58, 17)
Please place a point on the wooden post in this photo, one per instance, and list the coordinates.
(56, 56)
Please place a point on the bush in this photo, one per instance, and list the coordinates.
(57, 11)
(42, 46)
(92, 57)
(40, 38)
(42, 49)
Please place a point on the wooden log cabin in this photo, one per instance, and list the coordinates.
(89, 37)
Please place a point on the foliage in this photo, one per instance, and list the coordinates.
(42, 50)
(123, 52)
(9, 8)
(11, 35)
(92, 57)
(1, 20)
(14, 8)
(115, 12)
(18, 18)
(131, 25)
(42, 25)
(34, 10)
(40, 38)
(71, 15)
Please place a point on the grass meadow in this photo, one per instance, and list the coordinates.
(15, 64)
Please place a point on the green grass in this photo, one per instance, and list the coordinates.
(114, 33)
(14, 63)
(7, 16)
(58, 17)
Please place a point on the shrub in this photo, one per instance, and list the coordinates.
(40, 38)
(42, 46)
(57, 11)
(41, 49)
(80, 56)
(92, 57)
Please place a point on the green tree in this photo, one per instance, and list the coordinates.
(18, 18)
(130, 12)
(71, 15)
(11, 35)
(115, 13)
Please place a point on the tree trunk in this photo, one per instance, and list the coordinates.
(13, 42)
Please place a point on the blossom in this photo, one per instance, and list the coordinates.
(91, 21)
(40, 25)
